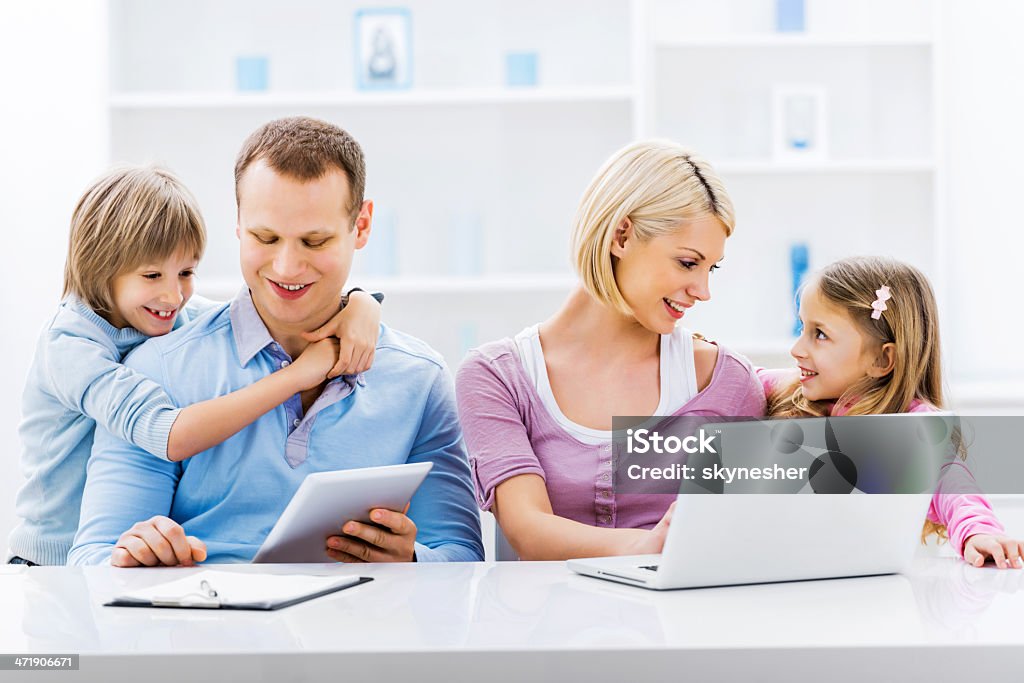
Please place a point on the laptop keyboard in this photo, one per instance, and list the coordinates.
(649, 567)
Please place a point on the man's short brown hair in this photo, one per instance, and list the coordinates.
(305, 148)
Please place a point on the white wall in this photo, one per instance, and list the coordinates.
(984, 109)
(53, 118)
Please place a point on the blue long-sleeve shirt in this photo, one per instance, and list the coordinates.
(230, 496)
(75, 382)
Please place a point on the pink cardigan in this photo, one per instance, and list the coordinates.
(509, 432)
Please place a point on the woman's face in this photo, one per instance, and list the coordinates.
(666, 275)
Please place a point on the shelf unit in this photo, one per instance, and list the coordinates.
(454, 96)
(222, 288)
(462, 154)
(756, 40)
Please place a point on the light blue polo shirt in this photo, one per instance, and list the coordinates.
(230, 496)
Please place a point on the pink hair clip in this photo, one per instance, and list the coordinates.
(879, 304)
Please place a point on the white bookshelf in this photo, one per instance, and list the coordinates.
(414, 98)
(525, 283)
(710, 69)
(460, 147)
(867, 166)
(755, 40)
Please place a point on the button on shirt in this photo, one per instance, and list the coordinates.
(230, 496)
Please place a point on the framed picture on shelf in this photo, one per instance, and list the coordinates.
(798, 123)
(383, 48)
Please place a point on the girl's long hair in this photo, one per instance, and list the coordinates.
(910, 322)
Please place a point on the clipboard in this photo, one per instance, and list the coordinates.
(211, 589)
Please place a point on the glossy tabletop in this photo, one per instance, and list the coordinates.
(528, 620)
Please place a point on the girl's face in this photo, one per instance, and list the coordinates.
(666, 275)
(150, 297)
(831, 352)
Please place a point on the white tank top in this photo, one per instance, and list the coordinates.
(677, 372)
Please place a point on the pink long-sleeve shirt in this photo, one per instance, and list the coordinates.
(958, 503)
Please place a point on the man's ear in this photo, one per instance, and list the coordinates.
(363, 222)
(623, 238)
(238, 231)
(885, 361)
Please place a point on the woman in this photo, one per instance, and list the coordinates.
(537, 410)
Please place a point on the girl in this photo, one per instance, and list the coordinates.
(870, 345)
(536, 410)
(136, 238)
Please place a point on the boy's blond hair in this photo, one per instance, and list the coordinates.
(657, 185)
(131, 216)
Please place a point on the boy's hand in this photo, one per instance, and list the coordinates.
(311, 367)
(1003, 550)
(356, 326)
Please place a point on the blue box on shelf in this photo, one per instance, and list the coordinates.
(251, 73)
(799, 261)
(465, 250)
(521, 69)
(468, 337)
(789, 16)
(381, 255)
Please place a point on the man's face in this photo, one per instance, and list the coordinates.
(297, 241)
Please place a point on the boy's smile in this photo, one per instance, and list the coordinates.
(150, 297)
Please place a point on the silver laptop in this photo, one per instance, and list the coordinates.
(744, 537)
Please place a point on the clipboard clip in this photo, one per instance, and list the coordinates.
(205, 596)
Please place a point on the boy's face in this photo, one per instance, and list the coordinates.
(150, 297)
(297, 241)
(831, 351)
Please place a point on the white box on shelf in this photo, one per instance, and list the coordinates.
(799, 131)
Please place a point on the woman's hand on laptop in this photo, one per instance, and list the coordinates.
(391, 538)
(159, 541)
(651, 542)
(1003, 550)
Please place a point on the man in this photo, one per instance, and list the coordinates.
(301, 215)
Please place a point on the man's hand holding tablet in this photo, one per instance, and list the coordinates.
(347, 516)
(356, 515)
(390, 538)
(159, 541)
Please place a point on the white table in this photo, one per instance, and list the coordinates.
(519, 621)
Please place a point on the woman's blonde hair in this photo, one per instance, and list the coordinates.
(910, 322)
(657, 185)
(131, 216)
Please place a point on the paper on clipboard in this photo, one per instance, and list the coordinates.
(212, 589)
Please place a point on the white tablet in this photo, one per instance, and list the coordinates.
(326, 500)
